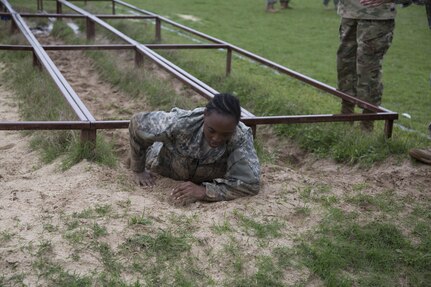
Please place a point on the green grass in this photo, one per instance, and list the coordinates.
(345, 253)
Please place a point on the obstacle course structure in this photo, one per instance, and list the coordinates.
(88, 124)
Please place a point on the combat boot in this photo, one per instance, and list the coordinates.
(270, 8)
(421, 154)
(285, 5)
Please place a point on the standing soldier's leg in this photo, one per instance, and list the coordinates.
(346, 62)
(270, 6)
(374, 39)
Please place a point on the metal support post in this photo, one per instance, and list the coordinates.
(13, 27)
(158, 30)
(139, 59)
(253, 129)
(39, 5)
(36, 62)
(59, 10)
(91, 29)
(228, 61)
(113, 7)
(88, 137)
(389, 125)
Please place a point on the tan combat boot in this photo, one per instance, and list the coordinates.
(270, 8)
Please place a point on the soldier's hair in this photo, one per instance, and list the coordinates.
(225, 104)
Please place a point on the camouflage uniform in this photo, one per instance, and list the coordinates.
(365, 35)
(172, 144)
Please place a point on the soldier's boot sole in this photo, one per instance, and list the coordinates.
(422, 155)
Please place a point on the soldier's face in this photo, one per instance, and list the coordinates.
(218, 128)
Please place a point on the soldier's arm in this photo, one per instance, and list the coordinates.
(242, 177)
(144, 130)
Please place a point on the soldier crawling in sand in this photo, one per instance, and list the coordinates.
(207, 148)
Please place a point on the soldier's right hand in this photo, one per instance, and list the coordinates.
(145, 178)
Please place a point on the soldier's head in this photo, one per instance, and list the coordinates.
(222, 115)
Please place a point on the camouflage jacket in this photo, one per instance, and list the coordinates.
(353, 9)
(172, 144)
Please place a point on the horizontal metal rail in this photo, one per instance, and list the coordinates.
(113, 47)
(44, 125)
(102, 16)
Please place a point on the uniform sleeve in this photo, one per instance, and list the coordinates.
(242, 177)
(146, 128)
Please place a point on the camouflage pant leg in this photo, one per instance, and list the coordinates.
(346, 62)
(346, 57)
(374, 39)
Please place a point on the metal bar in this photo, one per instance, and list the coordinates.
(36, 62)
(389, 125)
(158, 30)
(88, 47)
(317, 118)
(113, 7)
(111, 124)
(228, 61)
(59, 10)
(91, 29)
(102, 16)
(44, 125)
(113, 47)
(139, 59)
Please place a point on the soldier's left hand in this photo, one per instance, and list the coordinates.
(188, 192)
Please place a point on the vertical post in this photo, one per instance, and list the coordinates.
(113, 7)
(228, 61)
(158, 30)
(36, 62)
(139, 59)
(13, 26)
(389, 125)
(254, 129)
(59, 10)
(91, 29)
(88, 137)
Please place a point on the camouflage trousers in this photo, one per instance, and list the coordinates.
(363, 44)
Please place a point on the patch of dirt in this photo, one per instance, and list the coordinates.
(34, 196)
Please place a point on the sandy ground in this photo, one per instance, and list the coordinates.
(34, 195)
